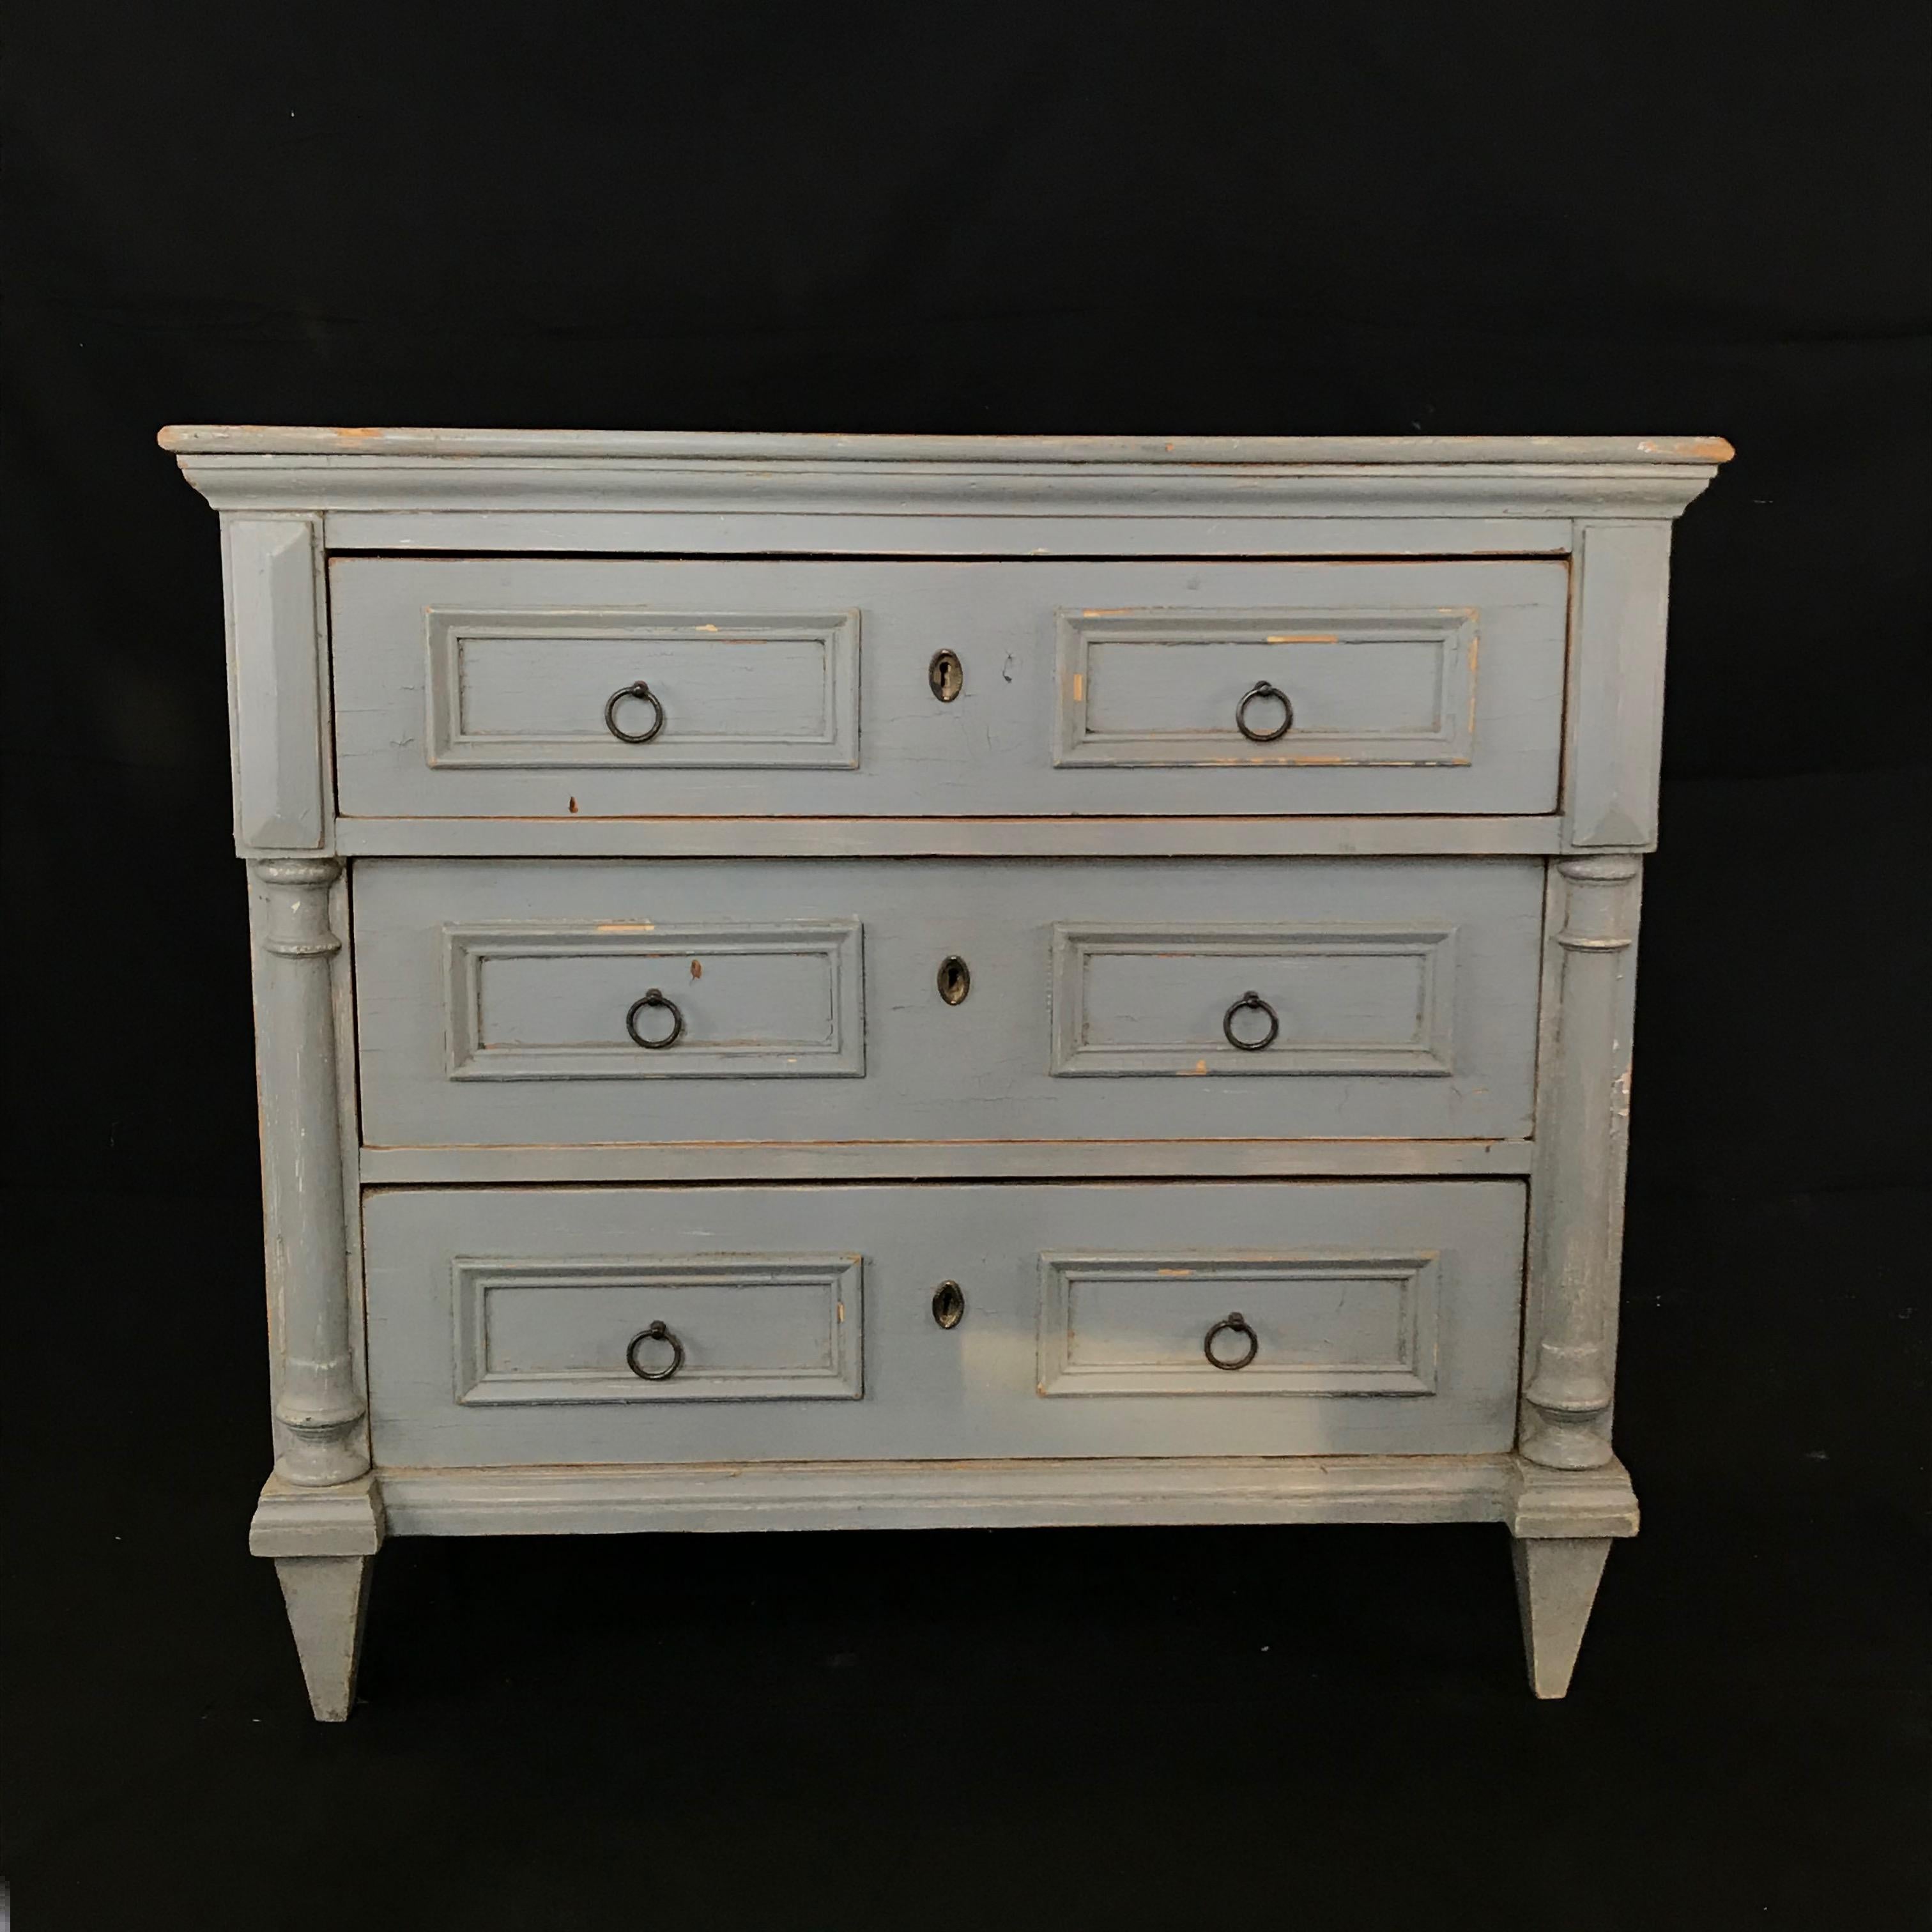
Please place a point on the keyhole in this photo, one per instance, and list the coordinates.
(948, 1304)
(946, 675)
(955, 980)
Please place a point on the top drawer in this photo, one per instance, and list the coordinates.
(539, 688)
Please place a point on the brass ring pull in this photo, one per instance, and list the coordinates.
(643, 694)
(1234, 1324)
(652, 1000)
(1251, 1003)
(656, 1332)
(1264, 691)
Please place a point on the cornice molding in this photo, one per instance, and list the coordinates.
(269, 471)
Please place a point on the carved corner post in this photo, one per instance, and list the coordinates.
(320, 1516)
(1576, 1251)
(1583, 1123)
(319, 1405)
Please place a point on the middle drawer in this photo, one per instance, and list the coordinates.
(511, 1003)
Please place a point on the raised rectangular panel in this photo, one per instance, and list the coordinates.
(1348, 1322)
(475, 687)
(747, 1328)
(491, 997)
(529, 689)
(1167, 688)
(1347, 1000)
(525, 1001)
(1387, 1315)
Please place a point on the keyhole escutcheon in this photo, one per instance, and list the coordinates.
(954, 980)
(946, 675)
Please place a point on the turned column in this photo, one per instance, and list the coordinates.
(318, 1404)
(1582, 1124)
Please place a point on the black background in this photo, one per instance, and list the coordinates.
(1180, 219)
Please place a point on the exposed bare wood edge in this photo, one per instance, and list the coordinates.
(945, 837)
(907, 1495)
(260, 439)
(1044, 491)
(769, 532)
(348, 1520)
(940, 1160)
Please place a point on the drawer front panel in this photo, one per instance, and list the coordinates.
(550, 690)
(1163, 689)
(605, 1001)
(492, 687)
(1341, 999)
(1382, 1316)
(1380, 998)
(1358, 1321)
(735, 1328)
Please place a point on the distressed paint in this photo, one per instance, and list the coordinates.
(1272, 1250)
(1445, 696)
(1439, 773)
(1005, 1492)
(319, 1406)
(1582, 1130)
(1095, 835)
(1367, 937)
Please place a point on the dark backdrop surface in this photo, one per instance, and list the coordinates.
(1286, 219)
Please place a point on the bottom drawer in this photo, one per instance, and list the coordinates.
(663, 1324)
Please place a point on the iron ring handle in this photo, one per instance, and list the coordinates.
(1251, 1003)
(1264, 691)
(656, 1332)
(655, 999)
(1234, 1324)
(644, 695)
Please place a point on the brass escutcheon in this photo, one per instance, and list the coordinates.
(954, 980)
(946, 675)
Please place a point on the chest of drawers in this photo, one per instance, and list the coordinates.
(811, 981)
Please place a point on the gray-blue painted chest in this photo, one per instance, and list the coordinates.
(809, 981)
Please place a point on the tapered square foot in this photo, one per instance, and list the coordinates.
(1556, 1579)
(327, 1597)
(323, 1542)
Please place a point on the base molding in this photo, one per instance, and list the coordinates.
(348, 1519)
(576, 1501)
(1572, 1502)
